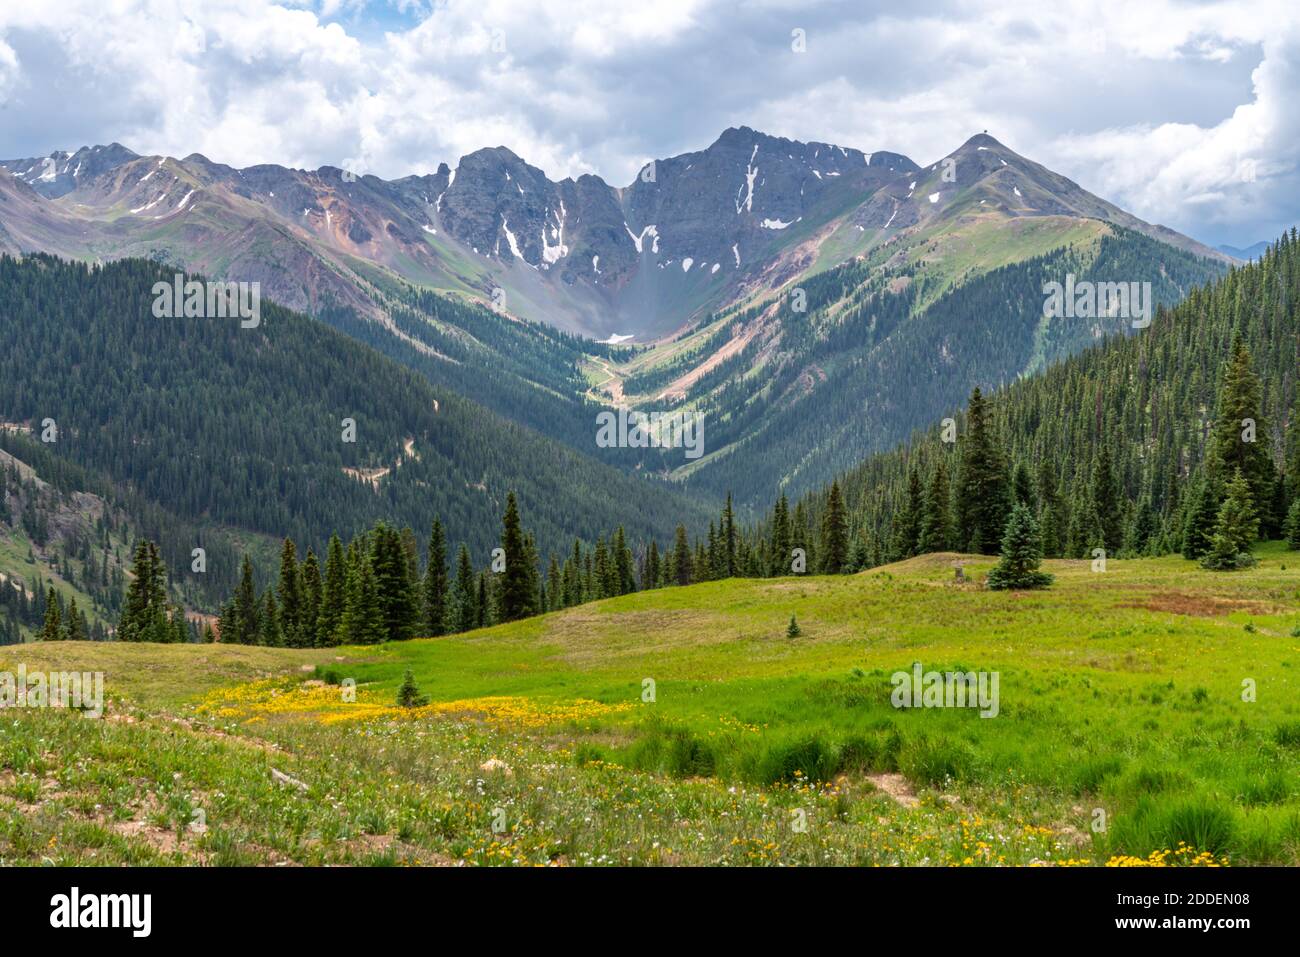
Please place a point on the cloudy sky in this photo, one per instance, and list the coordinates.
(1184, 113)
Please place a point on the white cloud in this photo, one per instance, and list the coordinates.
(1162, 107)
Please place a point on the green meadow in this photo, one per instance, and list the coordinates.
(1147, 714)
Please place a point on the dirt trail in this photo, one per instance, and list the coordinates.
(614, 383)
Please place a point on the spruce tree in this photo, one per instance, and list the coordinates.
(1106, 501)
(1054, 521)
(623, 564)
(1293, 526)
(982, 483)
(729, 537)
(935, 521)
(74, 623)
(313, 589)
(394, 589)
(290, 596)
(268, 622)
(333, 594)
(905, 538)
(1236, 529)
(466, 601)
(244, 608)
(363, 621)
(800, 537)
(779, 553)
(483, 605)
(135, 610)
(516, 597)
(1023, 488)
(1202, 514)
(52, 629)
(435, 583)
(408, 695)
(835, 533)
(681, 561)
(1239, 440)
(651, 578)
(1022, 554)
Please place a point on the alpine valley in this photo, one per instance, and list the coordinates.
(814, 303)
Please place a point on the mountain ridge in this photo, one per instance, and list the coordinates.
(690, 234)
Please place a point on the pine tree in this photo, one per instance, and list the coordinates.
(313, 590)
(652, 572)
(268, 622)
(408, 695)
(52, 629)
(1236, 529)
(1202, 514)
(799, 537)
(516, 597)
(394, 589)
(681, 561)
(333, 594)
(793, 630)
(779, 553)
(982, 483)
(835, 533)
(1054, 524)
(905, 538)
(1022, 554)
(435, 583)
(135, 610)
(290, 596)
(1293, 526)
(144, 615)
(1238, 441)
(363, 621)
(623, 563)
(1106, 501)
(179, 627)
(1023, 488)
(466, 601)
(74, 623)
(729, 537)
(935, 522)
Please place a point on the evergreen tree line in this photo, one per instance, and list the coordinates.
(376, 589)
(1136, 446)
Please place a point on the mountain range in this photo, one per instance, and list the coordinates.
(691, 234)
(688, 267)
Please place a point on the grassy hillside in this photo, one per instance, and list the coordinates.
(1120, 691)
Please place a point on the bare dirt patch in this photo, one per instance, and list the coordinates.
(1202, 606)
(896, 787)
